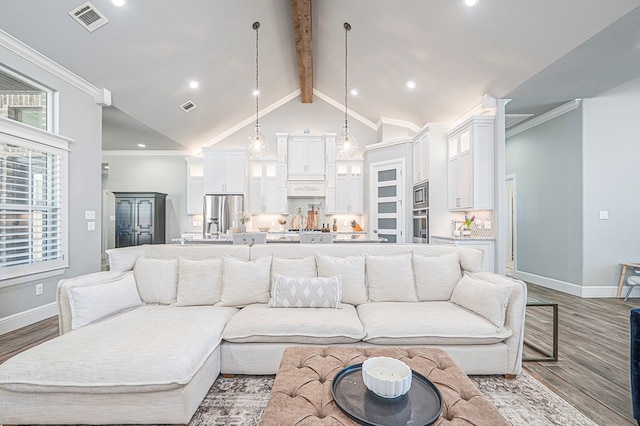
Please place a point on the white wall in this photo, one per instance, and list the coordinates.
(611, 183)
(154, 173)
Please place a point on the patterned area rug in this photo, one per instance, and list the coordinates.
(523, 401)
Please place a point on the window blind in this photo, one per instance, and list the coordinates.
(31, 225)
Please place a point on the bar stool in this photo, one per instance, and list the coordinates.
(633, 281)
(623, 274)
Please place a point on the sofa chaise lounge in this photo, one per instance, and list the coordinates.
(143, 342)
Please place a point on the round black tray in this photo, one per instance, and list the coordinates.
(420, 406)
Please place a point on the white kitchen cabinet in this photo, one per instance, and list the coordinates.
(195, 185)
(267, 190)
(421, 157)
(488, 248)
(306, 158)
(470, 164)
(224, 171)
(347, 196)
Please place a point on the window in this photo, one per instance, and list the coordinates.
(24, 101)
(33, 185)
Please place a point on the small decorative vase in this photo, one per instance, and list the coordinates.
(466, 232)
(242, 228)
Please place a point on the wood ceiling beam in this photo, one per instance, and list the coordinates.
(301, 12)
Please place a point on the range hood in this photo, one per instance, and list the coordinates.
(306, 189)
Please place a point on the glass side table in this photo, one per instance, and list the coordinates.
(553, 356)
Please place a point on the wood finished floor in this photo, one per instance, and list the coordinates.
(592, 372)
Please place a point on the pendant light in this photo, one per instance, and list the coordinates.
(257, 146)
(346, 144)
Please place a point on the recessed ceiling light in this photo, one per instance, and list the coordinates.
(354, 92)
(471, 3)
(194, 84)
(141, 145)
(411, 84)
(255, 92)
(118, 3)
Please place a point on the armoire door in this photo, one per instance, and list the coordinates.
(125, 224)
(144, 214)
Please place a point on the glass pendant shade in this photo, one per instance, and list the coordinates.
(346, 145)
(257, 145)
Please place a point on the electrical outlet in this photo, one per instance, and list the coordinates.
(487, 224)
(39, 289)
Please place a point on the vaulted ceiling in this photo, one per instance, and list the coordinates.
(540, 53)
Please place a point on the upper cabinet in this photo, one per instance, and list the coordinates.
(345, 191)
(195, 185)
(267, 187)
(421, 157)
(224, 171)
(470, 165)
(306, 158)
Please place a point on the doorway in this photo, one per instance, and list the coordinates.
(511, 246)
(386, 195)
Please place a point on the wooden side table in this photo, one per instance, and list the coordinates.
(623, 273)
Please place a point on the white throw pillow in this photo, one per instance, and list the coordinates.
(354, 289)
(245, 283)
(303, 268)
(436, 276)
(302, 292)
(482, 297)
(157, 280)
(92, 302)
(199, 281)
(390, 278)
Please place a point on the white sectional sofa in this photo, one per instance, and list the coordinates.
(144, 342)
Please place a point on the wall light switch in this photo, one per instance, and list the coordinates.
(91, 226)
(604, 215)
(90, 214)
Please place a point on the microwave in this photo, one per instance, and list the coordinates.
(421, 195)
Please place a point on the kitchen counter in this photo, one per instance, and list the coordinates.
(290, 237)
(452, 239)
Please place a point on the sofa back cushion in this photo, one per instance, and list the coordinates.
(157, 280)
(123, 259)
(482, 297)
(390, 278)
(245, 283)
(301, 268)
(436, 276)
(199, 281)
(352, 269)
(95, 301)
(298, 292)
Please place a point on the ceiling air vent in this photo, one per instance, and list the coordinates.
(188, 106)
(88, 16)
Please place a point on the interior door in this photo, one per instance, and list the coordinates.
(387, 194)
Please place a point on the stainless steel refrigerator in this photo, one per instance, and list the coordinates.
(221, 213)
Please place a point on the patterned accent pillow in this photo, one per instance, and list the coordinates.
(319, 292)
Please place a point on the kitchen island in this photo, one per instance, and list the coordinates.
(304, 237)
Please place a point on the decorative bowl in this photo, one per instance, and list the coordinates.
(263, 228)
(386, 377)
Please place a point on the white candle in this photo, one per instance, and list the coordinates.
(385, 373)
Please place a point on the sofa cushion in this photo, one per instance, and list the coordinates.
(293, 267)
(199, 281)
(156, 279)
(390, 278)
(436, 276)
(354, 289)
(124, 258)
(262, 324)
(150, 348)
(93, 302)
(245, 283)
(316, 292)
(426, 323)
(482, 297)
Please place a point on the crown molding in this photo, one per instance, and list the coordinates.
(399, 123)
(37, 58)
(340, 107)
(543, 118)
(387, 144)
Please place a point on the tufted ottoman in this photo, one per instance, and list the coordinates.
(301, 393)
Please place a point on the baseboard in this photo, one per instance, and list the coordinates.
(25, 318)
(586, 292)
